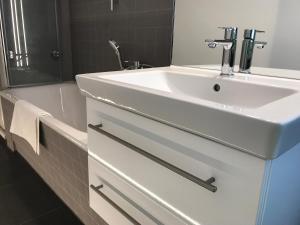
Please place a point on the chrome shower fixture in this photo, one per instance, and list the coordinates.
(115, 46)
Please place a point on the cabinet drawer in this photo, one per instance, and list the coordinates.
(180, 183)
(128, 206)
(106, 208)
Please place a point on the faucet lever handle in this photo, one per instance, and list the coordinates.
(227, 28)
(251, 33)
(230, 33)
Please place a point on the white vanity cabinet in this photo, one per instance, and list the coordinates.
(166, 148)
(151, 173)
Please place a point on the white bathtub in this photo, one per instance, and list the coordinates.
(64, 102)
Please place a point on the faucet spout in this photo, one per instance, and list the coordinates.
(216, 43)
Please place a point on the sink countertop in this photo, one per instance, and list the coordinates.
(256, 114)
(261, 71)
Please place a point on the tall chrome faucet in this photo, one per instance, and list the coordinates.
(229, 49)
(248, 48)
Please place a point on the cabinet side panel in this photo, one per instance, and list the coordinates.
(281, 203)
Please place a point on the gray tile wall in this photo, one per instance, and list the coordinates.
(61, 164)
(143, 28)
(64, 20)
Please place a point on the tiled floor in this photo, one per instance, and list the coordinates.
(24, 198)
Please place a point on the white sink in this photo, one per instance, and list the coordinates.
(256, 114)
(229, 92)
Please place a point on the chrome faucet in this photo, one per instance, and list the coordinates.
(248, 48)
(229, 49)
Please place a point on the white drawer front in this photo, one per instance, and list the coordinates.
(106, 210)
(238, 175)
(142, 209)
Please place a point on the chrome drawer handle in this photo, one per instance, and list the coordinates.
(207, 184)
(113, 204)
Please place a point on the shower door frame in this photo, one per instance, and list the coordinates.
(4, 72)
(4, 80)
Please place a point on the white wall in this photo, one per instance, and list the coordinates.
(286, 47)
(197, 20)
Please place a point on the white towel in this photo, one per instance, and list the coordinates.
(25, 123)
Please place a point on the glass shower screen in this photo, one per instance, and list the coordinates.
(31, 41)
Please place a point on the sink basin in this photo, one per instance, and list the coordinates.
(256, 114)
(228, 92)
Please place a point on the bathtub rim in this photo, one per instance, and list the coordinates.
(76, 136)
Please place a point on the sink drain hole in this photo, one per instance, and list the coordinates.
(217, 87)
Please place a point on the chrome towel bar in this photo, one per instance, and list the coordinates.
(207, 184)
(113, 204)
